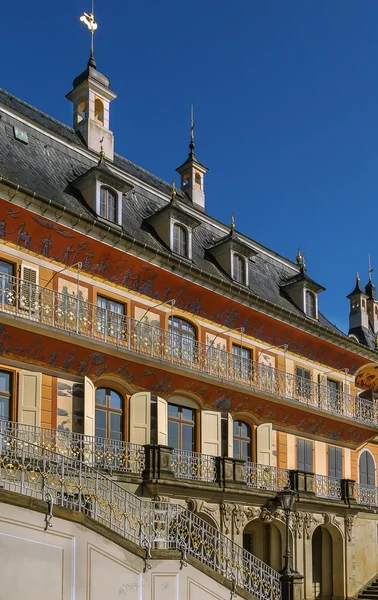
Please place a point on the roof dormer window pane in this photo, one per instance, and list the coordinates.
(310, 304)
(238, 268)
(108, 204)
(180, 240)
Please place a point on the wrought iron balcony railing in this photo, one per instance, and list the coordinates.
(328, 487)
(366, 494)
(102, 453)
(264, 477)
(36, 471)
(194, 465)
(74, 315)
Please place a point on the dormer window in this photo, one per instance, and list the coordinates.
(311, 304)
(180, 240)
(108, 204)
(99, 111)
(238, 268)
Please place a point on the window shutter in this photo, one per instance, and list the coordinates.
(29, 397)
(363, 468)
(211, 437)
(339, 463)
(28, 291)
(300, 455)
(331, 461)
(308, 457)
(140, 418)
(265, 444)
(162, 422)
(370, 469)
(89, 407)
(230, 436)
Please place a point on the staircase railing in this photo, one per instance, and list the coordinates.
(75, 315)
(36, 471)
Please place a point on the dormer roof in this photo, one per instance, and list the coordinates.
(174, 209)
(234, 242)
(303, 280)
(103, 173)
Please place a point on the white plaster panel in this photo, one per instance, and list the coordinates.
(109, 577)
(164, 586)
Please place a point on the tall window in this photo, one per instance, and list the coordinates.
(110, 317)
(182, 336)
(5, 394)
(335, 462)
(242, 440)
(241, 362)
(109, 414)
(304, 456)
(310, 304)
(333, 395)
(303, 382)
(108, 204)
(180, 240)
(7, 285)
(238, 268)
(366, 468)
(181, 427)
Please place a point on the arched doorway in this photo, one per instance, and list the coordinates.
(327, 563)
(267, 542)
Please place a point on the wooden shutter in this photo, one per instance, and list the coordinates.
(331, 461)
(211, 437)
(140, 418)
(29, 397)
(370, 469)
(308, 457)
(363, 468)
(28, 290)
(339, 463)
(265, 444)
(230, 436)
(162, 421)
(301, 455)
(89, 407)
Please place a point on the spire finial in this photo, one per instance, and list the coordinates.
(300, 258)
(232, 226)
(88, 20)
(102, 153)
(357, 277)
(191, 145)
(370, 269)
(173, 189)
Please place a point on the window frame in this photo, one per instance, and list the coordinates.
(9, 395)
(335, 455)
(8, 283)
(109, 410)
(108, 191)
(240, 439)
(185, 336)
(116, 318)
(307, 445)
(242, 366)
(303, 388)
(189, 236)
(182, 422)
(244, 279)
(180, 242)
(310, 294)
(367, 452)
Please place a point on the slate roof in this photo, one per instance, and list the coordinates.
(47, 167)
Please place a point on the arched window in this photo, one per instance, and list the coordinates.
(109, 414)
(366, 469)
(238, 268)
(108, 204)
(81, 114)
(181, 427)
(182, 337)
(310, 304)
(180, 240)
(99, 111)
(242, 440)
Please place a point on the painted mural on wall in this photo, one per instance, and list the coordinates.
(83, 361)
(36, 234)
(70, 406)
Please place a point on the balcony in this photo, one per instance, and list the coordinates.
(66, 313)
(264, 477)
(367, 495)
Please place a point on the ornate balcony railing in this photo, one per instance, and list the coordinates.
(36, 471)
(366, 494)
(193, 465)
(74, 315)
(102, 453)
(264, 477)
(328, 487)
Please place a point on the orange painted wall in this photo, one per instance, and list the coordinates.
(46, 401)
(282, 449)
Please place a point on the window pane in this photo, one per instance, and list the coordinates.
(101, 396)
(236, 449)
(114, 435)
(236, 427)
(6, 268)
(102, 302)
(188, 414)
(245, 450)
(173, 434)
(115, 422)
(100, 419)
(4, 408)
(100, 433)
(4, 381)
(187, 433)
(115, 400)
(172, 410)
(244, 430)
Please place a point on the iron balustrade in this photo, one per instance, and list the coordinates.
(328, 487)
(193, 465)
(264, 477)
(74, 315)
(102, 453)
(36, 471)
(366, 495)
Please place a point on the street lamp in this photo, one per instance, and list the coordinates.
(287, 498)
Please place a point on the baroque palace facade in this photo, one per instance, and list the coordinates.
(163, 377)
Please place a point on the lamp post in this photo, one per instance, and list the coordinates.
(287, 498)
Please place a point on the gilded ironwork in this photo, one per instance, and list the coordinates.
(264, 477)
(193, 465)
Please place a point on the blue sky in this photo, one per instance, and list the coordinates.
(286, 103)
